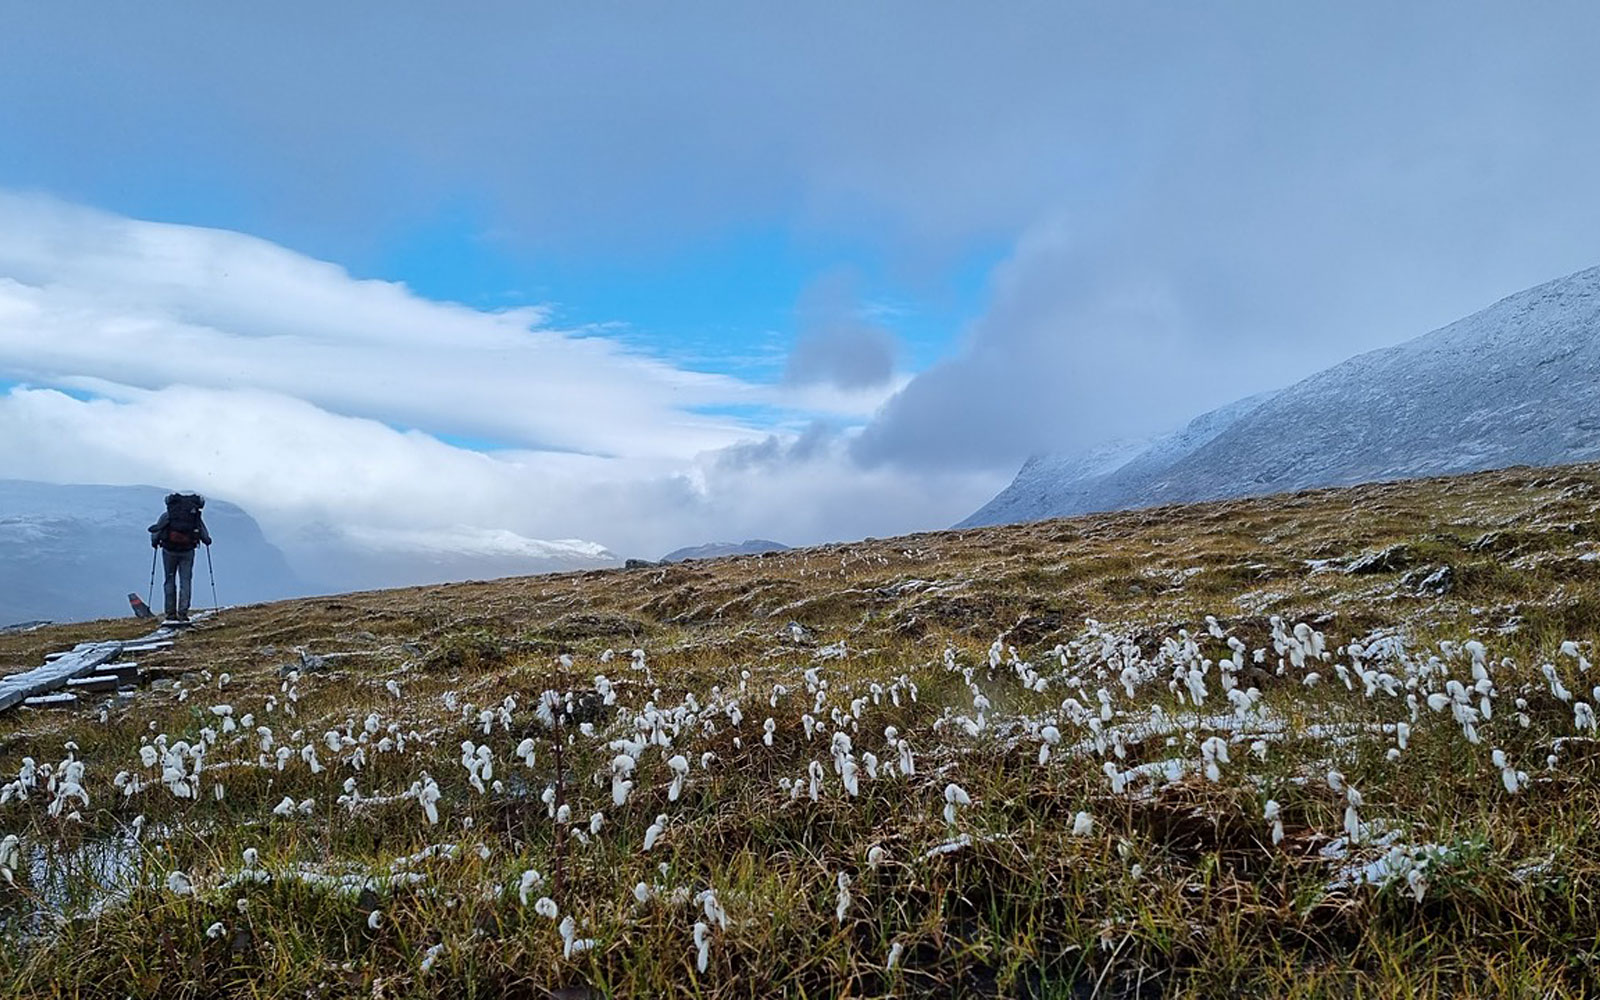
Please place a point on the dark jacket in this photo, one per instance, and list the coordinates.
(158, 531)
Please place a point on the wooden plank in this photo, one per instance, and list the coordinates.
(145, 647)
(94, 682)
(17, 688)
(60, 699)
(127, 671)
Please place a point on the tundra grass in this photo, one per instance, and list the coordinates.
(1156, 753)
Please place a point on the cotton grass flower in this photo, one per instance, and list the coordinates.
(571, 944)
(954, 795)
(1214, 751)
(1272, 814)
(10, 857)
(431, 956)
(1049, 737)
(680, 773)
(654, 831)
(530, 881)
(702, 944)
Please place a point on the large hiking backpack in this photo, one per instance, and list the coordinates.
(183, 521)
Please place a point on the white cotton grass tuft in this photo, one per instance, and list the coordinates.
(1049, 736)
(1082, 824)
(842, 905)
(1510, 777)
(530, 882)
(702, 944)
(431, 956)
(1214, 751)
(712, 907)
(954, 795)
(654, 831)
(178, 883)
(546, 907)
(10, 857)
(571, 944)
(895, 951)
(1272, 813)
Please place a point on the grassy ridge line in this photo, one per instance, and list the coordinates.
(1026, 906)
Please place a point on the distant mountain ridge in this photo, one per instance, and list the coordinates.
(348, 558)
(714, 550)
(1516, 383)
(74, 552)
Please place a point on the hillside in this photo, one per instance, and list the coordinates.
(1010, 761)
(1513, 384)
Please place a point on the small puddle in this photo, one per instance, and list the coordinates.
(67, 881)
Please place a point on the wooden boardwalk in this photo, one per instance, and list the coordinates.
(86, 660)
(82, 661)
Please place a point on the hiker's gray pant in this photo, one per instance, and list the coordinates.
(179, 567)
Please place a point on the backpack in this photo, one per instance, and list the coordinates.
(183, 521)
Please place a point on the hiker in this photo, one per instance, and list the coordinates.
(177, 534)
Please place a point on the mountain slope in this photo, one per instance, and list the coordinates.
(72, 552)
(1516, 383)
(1049, 485)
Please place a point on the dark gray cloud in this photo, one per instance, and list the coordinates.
(837, 345)
(815, 442)
(1205, 200)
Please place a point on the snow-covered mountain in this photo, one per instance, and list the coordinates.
(75, 552)
(1516, 383)
(356, 558)
(713, 550)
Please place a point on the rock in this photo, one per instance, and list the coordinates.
(1489, 541)
(1435, 580)
(1440, 582)
(309, 663)
(638, 564)
(1389, 560)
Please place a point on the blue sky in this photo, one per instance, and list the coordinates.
(723, 302)
(807, 273)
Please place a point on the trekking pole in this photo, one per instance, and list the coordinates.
(212, 574)
(149, 598)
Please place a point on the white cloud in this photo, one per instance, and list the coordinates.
(311, 476)
(87, 294)
(199, 359)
